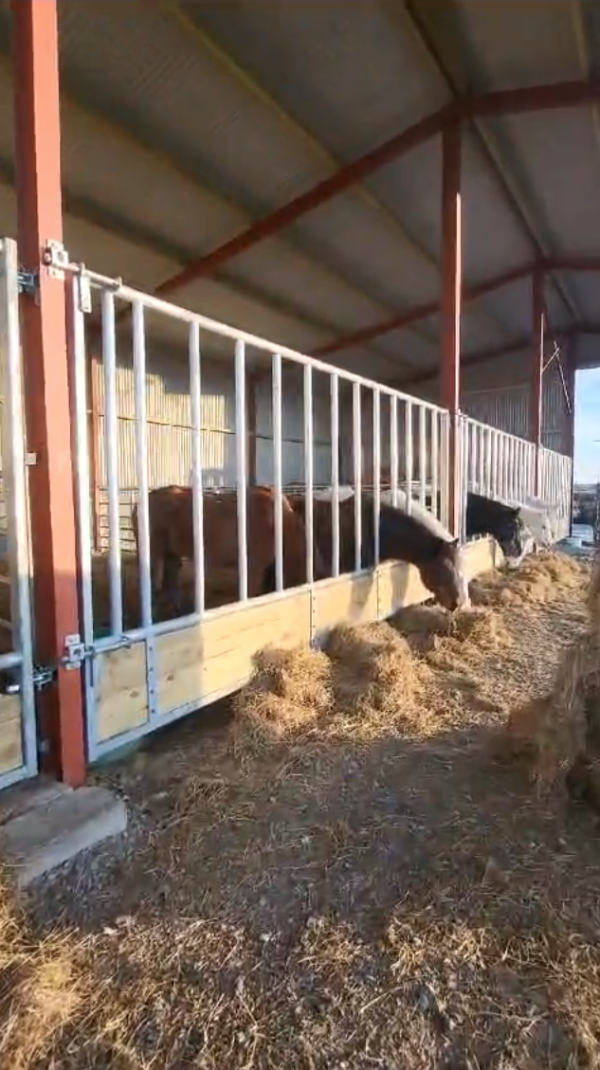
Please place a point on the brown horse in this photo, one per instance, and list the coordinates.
(416, 538)
(171, 539)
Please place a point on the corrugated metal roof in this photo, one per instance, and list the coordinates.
(184, 122)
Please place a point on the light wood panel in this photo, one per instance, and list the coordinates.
(11, 736)
(347, 600)
(120, 689)
(399, 585)
(217, 655)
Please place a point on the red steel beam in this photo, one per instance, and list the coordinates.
(514, 101)
(480, 356)
(47, 398)
(413, 315)
(538, 326)
(421, 312)
(451, 304)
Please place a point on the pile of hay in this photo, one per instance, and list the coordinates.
(288, 693)
(540, 579)
(374, 670)
(366, 677)
(558, 734)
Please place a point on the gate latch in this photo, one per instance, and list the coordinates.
(56, 259)
(75, 652)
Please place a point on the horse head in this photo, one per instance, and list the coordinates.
(444, 576)
(514, 537)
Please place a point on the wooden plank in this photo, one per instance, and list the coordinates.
(120, 690)
(346, 600)
(217, 655)
(481, 556)
(11, 743)
(399, 585)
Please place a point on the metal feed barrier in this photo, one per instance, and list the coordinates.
(18, 731)
(139, 678)
(412, 427)
(502, 466)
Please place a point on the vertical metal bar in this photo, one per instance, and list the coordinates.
(394, 448)
(462, 483)
(451, 300)
(309, 471)
(241, 469)
(278, 466)
(422, 456)
(444, 478)
(357, 447)
(335, 472)
(435, 462)
(197, 473)
(376, 469)
(94, 442)
(83, 455)
(141, 459)
(408, 452)
(15, 493)
(47, 398)
(111, 448)
(502, 464)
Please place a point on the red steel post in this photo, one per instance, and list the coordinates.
(451, 307)
(569, 443)
(39, 206)
(537, 372)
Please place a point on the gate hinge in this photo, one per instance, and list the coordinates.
(28, 282)
(43, 676)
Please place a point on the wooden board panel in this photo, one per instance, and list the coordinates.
(345, 601)
(399, 585)
(11, 741)
(482, 556)
(120, 690)
(217, 656)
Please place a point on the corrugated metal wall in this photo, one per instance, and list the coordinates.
(508, 409)
(497, 393)
(293, 427)
(169, 430)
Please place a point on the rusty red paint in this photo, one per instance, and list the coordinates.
(538, 324)
(39, 205)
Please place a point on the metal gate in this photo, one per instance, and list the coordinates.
(18, 732)
(141, 672)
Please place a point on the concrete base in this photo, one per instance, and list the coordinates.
(56, 825)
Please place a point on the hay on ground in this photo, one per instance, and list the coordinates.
(375, 670)
(558, 734)
(289, 691)
(40, 988)
(542, 578)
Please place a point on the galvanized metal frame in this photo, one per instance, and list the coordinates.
(36, 33)
(15, 488)
(47, 386)
(111, 290)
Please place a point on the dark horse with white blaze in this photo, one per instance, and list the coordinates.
(172, 539)
(486, 516)
(416, 538)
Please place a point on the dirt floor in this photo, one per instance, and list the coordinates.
(345, 877)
